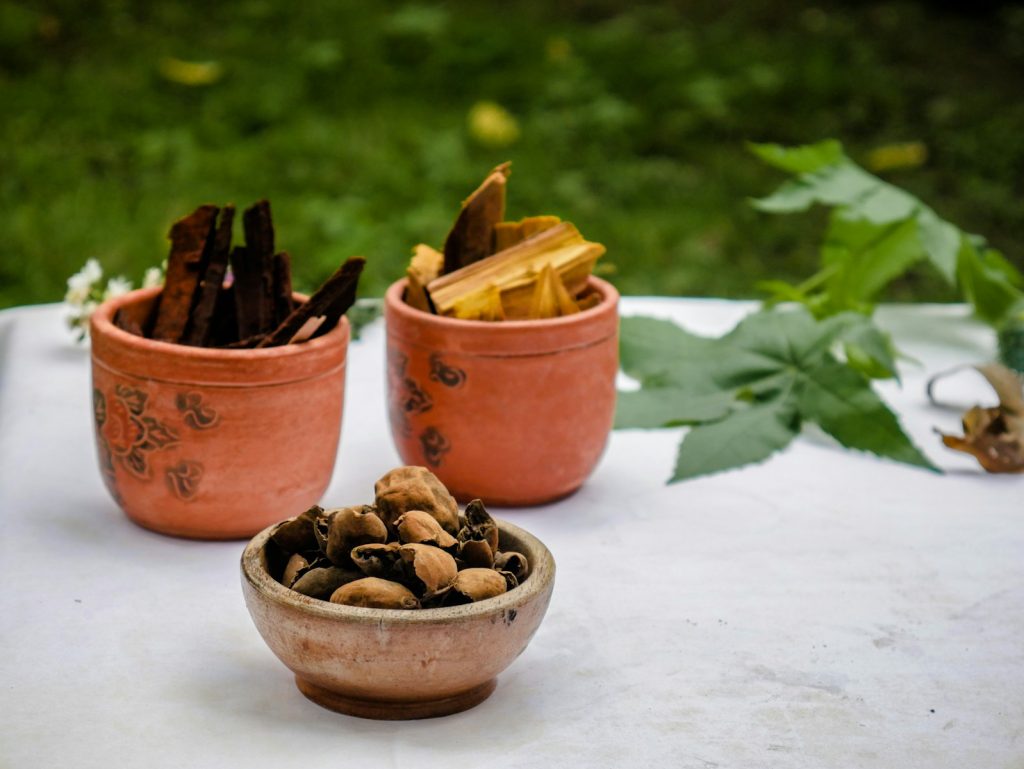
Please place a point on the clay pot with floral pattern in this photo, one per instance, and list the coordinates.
(213, 443)
(515, 413)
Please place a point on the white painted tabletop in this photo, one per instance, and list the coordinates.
(824, 609)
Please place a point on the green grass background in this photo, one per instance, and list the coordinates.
(351, 117)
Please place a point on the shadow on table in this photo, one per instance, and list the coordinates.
(252, 693)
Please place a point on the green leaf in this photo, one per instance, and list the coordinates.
(877, 232)
(780, 361)
(866, 257)
(842, 402)
(648, 345)
(656, 407)
(941, 241)
(989, 282)
(660, 354)
(881, 203)
(809, 157)
(790, 197)
(742, 438)
(868, 348)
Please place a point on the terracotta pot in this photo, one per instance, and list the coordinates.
(394, 664)
(213, 444)
(515, 412)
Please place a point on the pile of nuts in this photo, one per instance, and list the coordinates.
(411, 549)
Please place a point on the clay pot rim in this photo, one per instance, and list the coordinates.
(542, 574)
(502, 339)
(395, 302)
(102, 325)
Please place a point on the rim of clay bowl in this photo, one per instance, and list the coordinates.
(121, 351)
(507, 337)
(542, 574)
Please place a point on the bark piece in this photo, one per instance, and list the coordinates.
(283, 302)
(472, 237)
(253, 268)
(201, 318)
(426, 265)
(468, 293)
(328, 304)
(224, 329)
(191, 236)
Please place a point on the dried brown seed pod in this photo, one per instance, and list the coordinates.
(479, 525)
(351, 527)
(323, 581)
(472, 585)
(476, 553)
(513, 562)
(295, 566)
(415, 488)
(375, 593)
(429, 569)
(418, 527)
(321, 527)
(377, 560)
(296, 534)
(510, 579)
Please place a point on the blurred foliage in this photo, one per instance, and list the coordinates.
(366, 124)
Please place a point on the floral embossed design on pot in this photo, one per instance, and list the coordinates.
(196, 414)
(435, 446)
(449, 376)
(406, 396)
(106, 458)
(183, 479)
(126, 433)
(254, 432)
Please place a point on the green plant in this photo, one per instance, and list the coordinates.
(876, 233)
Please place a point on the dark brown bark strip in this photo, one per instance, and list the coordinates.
(472, 236)
(201, 318)
(254, 273)
(330, 302)
(224, 329)
(259, 229)
(283, 304)
(190, 236)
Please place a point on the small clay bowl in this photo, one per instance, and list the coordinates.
(514, 412)
(392, 664)
(213, 443)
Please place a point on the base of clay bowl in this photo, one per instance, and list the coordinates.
(395, 711)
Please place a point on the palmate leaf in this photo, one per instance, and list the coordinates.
(744, 437)
(842, 403)
(655, 407)
(748, 392)
(877, 232)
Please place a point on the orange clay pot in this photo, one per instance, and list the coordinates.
(514, 412)
(210, 443)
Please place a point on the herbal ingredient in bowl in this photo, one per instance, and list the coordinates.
(496, 270)
(411, 549)
(203, 304)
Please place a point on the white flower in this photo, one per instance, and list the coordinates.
(117, 287)
(80, 285)
(77, 294)
(154, 277)
(92, 271)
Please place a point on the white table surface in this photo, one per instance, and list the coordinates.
(824, 609)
